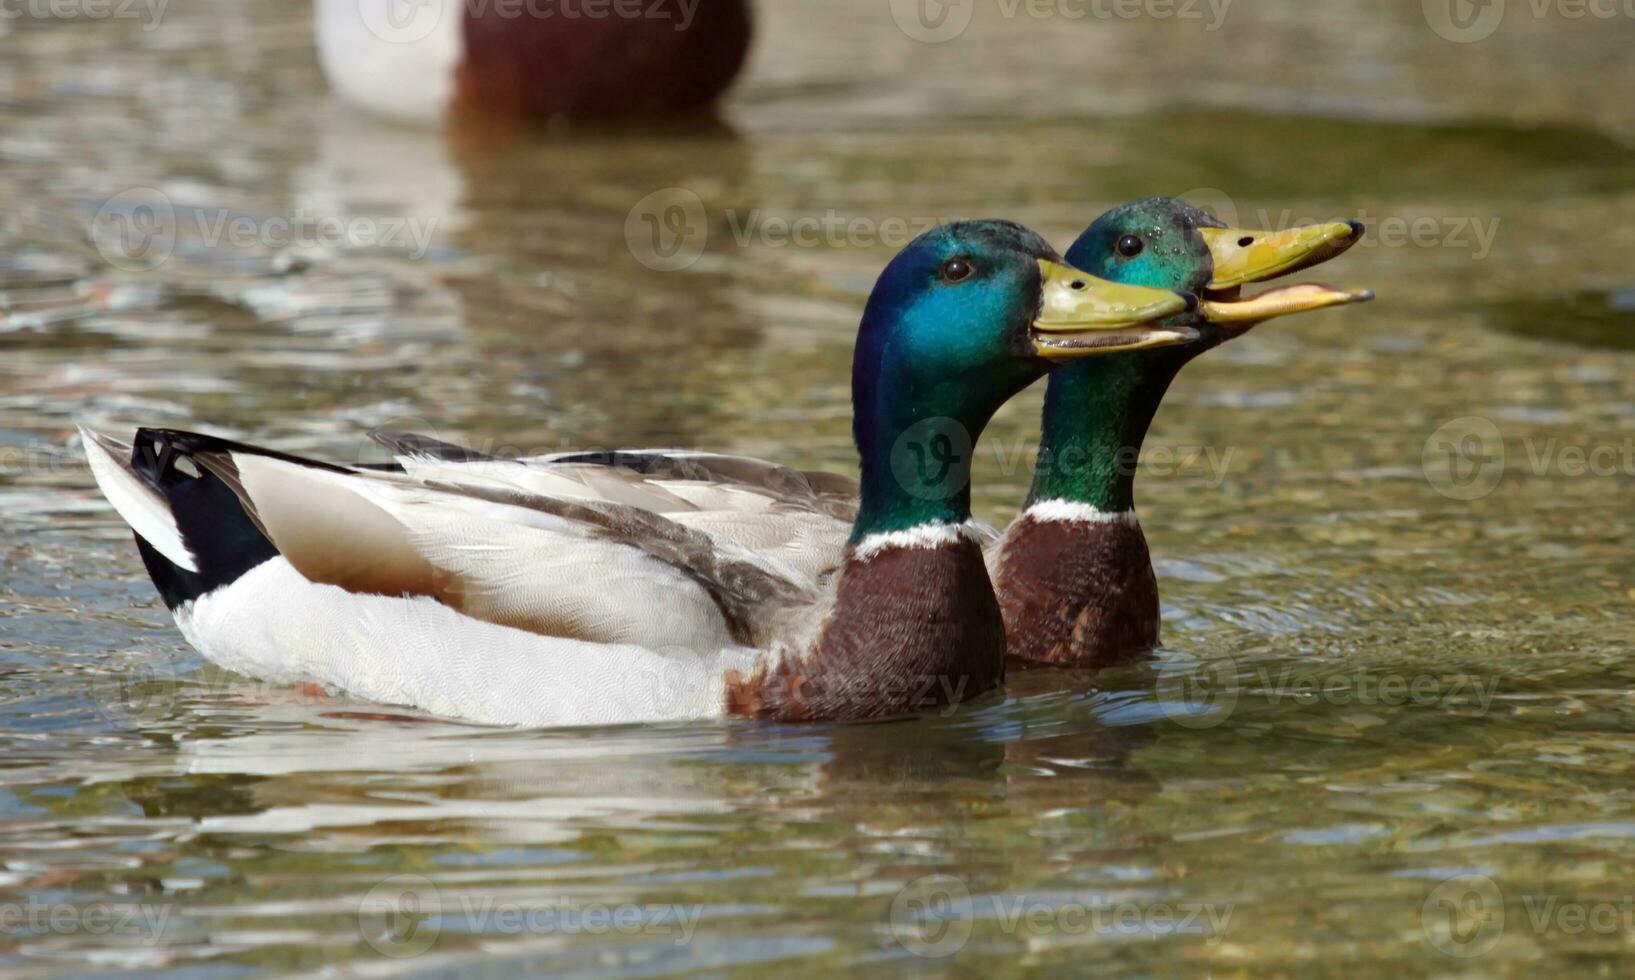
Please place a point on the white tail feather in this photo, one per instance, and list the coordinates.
(137, 503)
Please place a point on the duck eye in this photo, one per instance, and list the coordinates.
(1130, 246)
(956, 270)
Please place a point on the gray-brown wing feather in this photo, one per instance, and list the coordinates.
(747, 593)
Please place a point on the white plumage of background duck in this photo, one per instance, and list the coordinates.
(424, 60)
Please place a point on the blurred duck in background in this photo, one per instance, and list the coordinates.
(420, 60)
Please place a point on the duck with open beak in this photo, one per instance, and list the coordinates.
(1073, 573)
(1240, 258)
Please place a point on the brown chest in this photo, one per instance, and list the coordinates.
(1077, 593)
(911, 629)
(673, 57)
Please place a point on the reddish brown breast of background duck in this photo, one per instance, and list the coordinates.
(1077, 594)
(534, 59)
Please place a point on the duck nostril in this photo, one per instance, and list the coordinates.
(1246, 241)
(1079, 284)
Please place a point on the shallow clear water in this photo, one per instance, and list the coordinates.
(1393, 729)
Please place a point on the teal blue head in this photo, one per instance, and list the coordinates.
(964, 317)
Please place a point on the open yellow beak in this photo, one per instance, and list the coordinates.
(1082, 316)
(1243, 257)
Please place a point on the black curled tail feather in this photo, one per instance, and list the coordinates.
(221, 535)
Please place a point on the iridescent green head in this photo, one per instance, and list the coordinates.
(1097, 411)
(1166, 243)
(963, 318)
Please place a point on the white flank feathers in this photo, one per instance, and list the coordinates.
(137, 503)
(276, 625)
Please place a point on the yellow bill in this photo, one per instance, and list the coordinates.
(1083, 316)
(1242, 257)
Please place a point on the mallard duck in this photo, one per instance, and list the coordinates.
(419, 59)
(1073, 573)
(563, 594)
